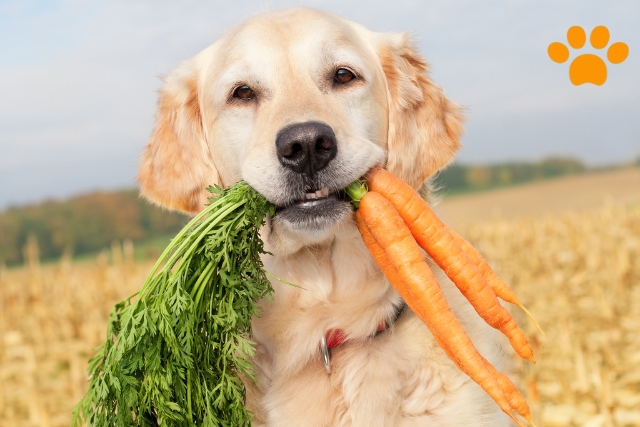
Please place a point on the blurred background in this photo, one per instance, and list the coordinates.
(547, 184)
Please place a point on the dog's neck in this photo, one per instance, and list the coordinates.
(325, 265)
(338, 287)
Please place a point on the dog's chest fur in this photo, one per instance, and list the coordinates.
(397, 378)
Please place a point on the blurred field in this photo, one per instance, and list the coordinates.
(577, 192)
(578, 272)
(51, 317)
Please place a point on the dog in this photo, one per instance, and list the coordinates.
(299, 103)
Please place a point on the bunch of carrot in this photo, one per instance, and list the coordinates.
(395, 222)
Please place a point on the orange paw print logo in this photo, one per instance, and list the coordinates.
(588, 68)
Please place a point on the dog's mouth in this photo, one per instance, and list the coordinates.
(316, 208)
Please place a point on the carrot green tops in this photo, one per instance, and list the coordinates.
(174, 351)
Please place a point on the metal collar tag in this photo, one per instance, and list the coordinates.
(326, 354)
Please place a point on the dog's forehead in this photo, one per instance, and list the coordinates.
(289, 25)
(300, 35)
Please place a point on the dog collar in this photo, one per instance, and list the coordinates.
(335, 337)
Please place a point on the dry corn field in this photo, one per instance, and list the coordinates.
(577, 272)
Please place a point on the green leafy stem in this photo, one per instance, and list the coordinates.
(175, 352)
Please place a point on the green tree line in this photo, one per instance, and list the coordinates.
(83, 224)
(459, 178)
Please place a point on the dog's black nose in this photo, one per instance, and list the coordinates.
(306, 147)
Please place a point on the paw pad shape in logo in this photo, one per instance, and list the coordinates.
(588, 68)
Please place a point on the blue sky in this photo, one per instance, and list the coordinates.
(78, 79)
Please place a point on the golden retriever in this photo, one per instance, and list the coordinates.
(299, 103)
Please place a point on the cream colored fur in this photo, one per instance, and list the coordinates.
(394, 115)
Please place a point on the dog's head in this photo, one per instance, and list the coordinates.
(298, 103)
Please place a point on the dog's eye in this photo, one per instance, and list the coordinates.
(344, 76)
(244, 92)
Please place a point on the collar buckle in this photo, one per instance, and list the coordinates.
(336, 337)
(326, 354)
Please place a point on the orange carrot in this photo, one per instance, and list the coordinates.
(380, 257)
(422, 292)
(436, 239)
(499, 287)
(515, 399)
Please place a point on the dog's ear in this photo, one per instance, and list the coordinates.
(424, 126)
(176, 165)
